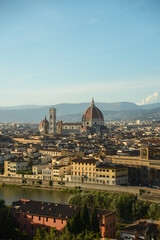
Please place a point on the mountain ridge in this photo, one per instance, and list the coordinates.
(74, 111)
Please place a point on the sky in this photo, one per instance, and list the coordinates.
(57, 51)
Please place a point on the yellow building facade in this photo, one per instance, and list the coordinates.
(111, 174)
(83, 170)
(93, 171)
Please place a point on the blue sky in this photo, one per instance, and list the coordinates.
(54, 51)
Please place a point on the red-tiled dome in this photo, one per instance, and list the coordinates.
(43, 123)
(92, 113)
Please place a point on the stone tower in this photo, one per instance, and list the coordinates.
(52, 121)
(59, 127)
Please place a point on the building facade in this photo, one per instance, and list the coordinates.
(83, 170)
(30, 215)
(93, 171)
(111, 174)
(12, 166)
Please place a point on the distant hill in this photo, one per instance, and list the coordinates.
(116, 111)
(125, 115)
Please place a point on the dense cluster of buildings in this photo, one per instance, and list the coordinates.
(91, 152)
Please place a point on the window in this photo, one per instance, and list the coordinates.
(62, 221)
(54, 220)
(46, 219)
(39, 218)
(32, 216)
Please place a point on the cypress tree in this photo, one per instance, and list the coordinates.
(85, 218)
(94, 221)
(69, 226)
(78, 221)
(75, 225)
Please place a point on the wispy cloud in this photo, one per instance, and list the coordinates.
(151, 98)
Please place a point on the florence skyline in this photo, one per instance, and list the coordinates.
(54, 52)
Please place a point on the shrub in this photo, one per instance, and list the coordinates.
(50, 183)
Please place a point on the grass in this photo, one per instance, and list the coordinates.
(10, 185)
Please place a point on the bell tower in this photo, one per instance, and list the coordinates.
(52, 121)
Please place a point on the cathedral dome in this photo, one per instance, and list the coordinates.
(44, 125)
(92, 118)
(92, 113)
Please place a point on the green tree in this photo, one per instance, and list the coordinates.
(85, 217)
(75, 224)
(24, 181)
(40, 234)
(154, 211)
(94, 223)
(50, 183)
(2, 203)
(39, 182)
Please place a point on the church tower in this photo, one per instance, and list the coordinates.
(52, 121)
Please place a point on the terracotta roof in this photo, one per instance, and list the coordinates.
(92, 113)
(43, 122)
(141, 228)
(54, 210)
(87, 160)
(110, 165)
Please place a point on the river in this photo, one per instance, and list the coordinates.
(10, 194)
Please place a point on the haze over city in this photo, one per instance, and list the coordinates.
(69, 51)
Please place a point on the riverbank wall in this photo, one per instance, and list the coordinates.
(86, 186)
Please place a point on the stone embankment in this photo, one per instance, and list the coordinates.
(142, 193)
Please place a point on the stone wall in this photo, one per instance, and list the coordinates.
(91, 186)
